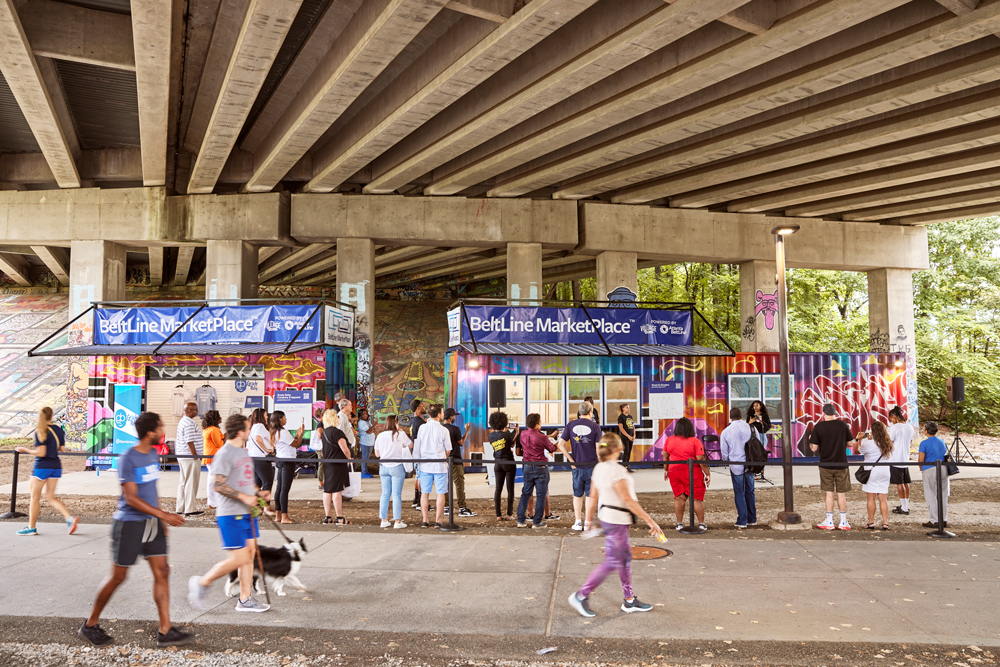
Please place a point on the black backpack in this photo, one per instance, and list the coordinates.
(756, 455)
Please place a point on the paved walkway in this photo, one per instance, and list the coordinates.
(476, 486)
(741, 589)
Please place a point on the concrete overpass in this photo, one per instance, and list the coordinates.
(445, 143)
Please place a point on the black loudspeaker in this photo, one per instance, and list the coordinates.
(498, 393)
(955, 388)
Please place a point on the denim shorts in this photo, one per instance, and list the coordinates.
(581, 481)
(439, 480)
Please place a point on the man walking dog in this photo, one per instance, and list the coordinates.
(232, 479)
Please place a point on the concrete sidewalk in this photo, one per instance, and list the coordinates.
(741, 589)
(476, 486)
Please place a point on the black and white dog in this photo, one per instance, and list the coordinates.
(281, 565)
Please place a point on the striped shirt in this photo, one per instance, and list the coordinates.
(188, 431)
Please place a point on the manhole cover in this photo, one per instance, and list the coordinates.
(649, 553)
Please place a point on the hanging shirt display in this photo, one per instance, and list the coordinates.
(206, 398)
(179, 397)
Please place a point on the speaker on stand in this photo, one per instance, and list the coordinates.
(954, 388)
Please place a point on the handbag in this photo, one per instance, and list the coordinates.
(863, 475)
(953, 468)
(407, 464)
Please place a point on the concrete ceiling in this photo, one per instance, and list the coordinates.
(884, 112)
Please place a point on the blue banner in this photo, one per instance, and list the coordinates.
(128, 404)
(618, 326)
(224, 324)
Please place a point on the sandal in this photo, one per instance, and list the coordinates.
(328, 519)
(871, 526)
(341, 521)
(885, 526)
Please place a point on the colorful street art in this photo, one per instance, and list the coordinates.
(864, 387)
(768, 305)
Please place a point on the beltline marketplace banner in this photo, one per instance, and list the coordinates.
(223, 324)
(618, 326)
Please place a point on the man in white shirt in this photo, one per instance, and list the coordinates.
(433, 442)
(901, 435)
(733, 448)
(189, 441)
(344, 421)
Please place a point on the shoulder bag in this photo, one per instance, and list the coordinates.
(863, 475)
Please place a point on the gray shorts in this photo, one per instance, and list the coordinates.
(131, 539)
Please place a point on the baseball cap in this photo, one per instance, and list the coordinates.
(449, 413)
(829, 410)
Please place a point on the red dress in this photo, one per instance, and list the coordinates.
(681, 449)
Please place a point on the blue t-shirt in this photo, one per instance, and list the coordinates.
(365, 439)
(144, 470)
(583, 434)
(933, 449)
(53, 442)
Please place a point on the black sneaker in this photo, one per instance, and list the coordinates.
(465, 511)
(900, 510)
(416, 506)
(552, 517)
(582, 606)
(425, 524)
(95, 634)
(635, 605)
(173, 637)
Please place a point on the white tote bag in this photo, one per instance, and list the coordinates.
(354, 489)
(408, 464)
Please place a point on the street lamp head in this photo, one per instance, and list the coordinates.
(785, 230)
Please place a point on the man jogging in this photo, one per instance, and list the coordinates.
(137, 528)
(232, 479)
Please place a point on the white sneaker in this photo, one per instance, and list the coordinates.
(844, 526)
(826, 525)
(399, 524)
(384, 524)
(578, 525)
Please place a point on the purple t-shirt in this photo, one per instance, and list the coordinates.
(583, 434)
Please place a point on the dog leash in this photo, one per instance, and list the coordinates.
(261, 504)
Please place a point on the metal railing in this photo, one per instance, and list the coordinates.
(692, 528)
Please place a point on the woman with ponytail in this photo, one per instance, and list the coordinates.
(49, 441)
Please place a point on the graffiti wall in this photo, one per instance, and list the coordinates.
(864, 387)
(411, 339)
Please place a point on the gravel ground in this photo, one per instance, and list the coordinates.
(52, 642)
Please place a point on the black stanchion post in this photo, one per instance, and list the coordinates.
(13, 513)
(940, 532)
(692, 528)
(451, 526)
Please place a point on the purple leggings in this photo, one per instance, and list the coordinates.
(617, 556)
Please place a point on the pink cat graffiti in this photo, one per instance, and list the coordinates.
(767, 304)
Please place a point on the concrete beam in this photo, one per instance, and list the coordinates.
(855, 64)
(263, 31)
(266, 252)
(457, 222)
(262, 218)
(901, 193)
(681, 235)
(797, 30)
(79, 34)
(555, 69)
(182, 272)
(131, 216)
(396, 254)
(57, 261)
(805, 199)
(21, 72)
(292, 260)
(96, 273)
(445, 256)
(497, 258)
(156, 265)
(377, 33)
(925, 204)
(755, 17)
(963, 213)
(16, 267)
(471, 53)
(959, 7)
(152, 33)
(497, 11)
(930, 84)
(950, 126)
(322, 262)
(105, 164)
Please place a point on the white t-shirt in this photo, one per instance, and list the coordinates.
(604, 478)
(344, 424)
(388, 447)
(258, 430)
(283, 444)
(901, 435)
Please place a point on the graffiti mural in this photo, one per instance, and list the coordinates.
(767, 304)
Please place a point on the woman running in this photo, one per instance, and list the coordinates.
(49, 441)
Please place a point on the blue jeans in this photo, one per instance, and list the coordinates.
(746, 501)
(392, 484)
(536, 478)
(366, 453)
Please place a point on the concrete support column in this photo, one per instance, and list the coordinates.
(230, 270)
(356, 286)
(890, 324)
(617, 269)
(758, 307)
(524, 273)
(96, 273)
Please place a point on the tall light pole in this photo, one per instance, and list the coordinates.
(789, 515)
